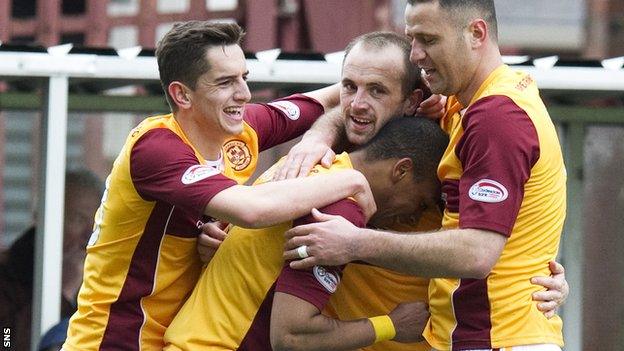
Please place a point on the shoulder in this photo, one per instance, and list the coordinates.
(496, 112)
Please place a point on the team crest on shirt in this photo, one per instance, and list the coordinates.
(198, 172)
(238, 154)
(288, 108)
(487, 190)
(327, 279)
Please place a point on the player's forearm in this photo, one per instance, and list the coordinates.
(328, 96)
(328, 128)
(461, 253)
(298, 325)
(321, 333)
(276, 202)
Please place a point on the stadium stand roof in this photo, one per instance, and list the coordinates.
(273, 68)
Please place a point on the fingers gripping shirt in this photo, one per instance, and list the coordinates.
(317, 284)
(367, 290)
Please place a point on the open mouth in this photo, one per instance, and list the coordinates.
(235, 113)
(361, 123)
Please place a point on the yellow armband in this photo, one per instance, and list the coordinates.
(384, 328)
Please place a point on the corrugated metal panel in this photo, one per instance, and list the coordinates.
(17, 171)
(75, 140)
(538, 24)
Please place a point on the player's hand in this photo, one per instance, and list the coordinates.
(364, 197)
(304, 156)
(210, 239)
(409, 319)
(329, 242)
(433, 107)
(557, 290)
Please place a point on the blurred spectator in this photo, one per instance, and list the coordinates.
(54, 338)
(83, 191)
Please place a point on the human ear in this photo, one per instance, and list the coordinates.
(402, 168)
(412, 102)
(478, 32)
(179, 94)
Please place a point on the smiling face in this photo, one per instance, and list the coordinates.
(220, 95)
(371, 91)
(440, 48)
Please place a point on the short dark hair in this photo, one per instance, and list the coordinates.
(381, 40)
(181, 53)
(82, 179)
(461, 8)
(417, 138)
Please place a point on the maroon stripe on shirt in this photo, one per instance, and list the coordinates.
(499, 144)
(258, 336)
(162, 169)
(126, 316)
(272, 125)
(471, 306)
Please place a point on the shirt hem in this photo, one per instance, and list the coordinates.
(498, 228)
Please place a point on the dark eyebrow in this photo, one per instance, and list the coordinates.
(228, 77)
(377, 85)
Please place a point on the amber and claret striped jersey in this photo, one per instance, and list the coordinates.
(230, 307)
(141, 259)
(366, 290)
(503, 171)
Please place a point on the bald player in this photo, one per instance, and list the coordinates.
(504, 183)
(377, 82)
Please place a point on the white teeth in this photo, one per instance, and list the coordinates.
(232, 110)
(360, 120)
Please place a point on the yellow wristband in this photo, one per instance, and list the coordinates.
(384, 328)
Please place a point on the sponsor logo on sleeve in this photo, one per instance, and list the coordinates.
(238, 154)
(487, 190)
(198, 172)
(328, 280)
(288, 108)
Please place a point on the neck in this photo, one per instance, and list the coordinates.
(486, 65)
(206, 140)
(358, 161)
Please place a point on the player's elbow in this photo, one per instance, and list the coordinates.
(479, 267)
(482, 250)
(251, 215)
(255, 217)
(478, 271)
(241, 206)
(247, 219)
(285, 341)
